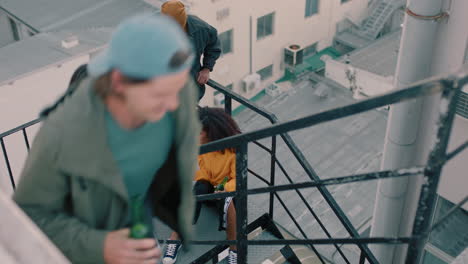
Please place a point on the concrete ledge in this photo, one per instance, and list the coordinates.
(21, 241)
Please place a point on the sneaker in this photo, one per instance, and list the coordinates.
(170, 256)
(232, 257)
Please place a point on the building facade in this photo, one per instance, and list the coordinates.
(254, 35)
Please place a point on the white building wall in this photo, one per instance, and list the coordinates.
(21, 102)
(290, 27)
(371, 84)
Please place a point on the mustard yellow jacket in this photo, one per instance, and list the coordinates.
(214, 166)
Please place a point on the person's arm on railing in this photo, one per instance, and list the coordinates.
(212, 50)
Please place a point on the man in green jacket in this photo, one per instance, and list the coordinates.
(130, 130)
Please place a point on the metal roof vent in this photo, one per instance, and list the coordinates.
(70, 42)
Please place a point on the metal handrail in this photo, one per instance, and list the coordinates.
(19, 128)
(281, 128)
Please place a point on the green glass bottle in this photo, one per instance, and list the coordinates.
(139, 228)
(220, 187)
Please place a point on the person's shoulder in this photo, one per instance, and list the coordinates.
(199, 23)
(74, 114)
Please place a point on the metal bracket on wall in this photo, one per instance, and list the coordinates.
(422, 17)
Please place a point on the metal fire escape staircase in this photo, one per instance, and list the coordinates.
(371, 27)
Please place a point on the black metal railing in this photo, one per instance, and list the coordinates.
(10, 132)
(448, 87)
(229, 96)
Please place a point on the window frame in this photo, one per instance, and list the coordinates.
(309, 8)
(269, 68)
(262, 30)
(230, 33)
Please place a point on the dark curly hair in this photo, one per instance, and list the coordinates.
(217, 124)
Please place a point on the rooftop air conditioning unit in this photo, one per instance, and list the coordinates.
(293, 55)
(218, 99)
(251, 82)
(70, 42)
(273, 90)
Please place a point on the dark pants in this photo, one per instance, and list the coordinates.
(201, 187)
(205, 187)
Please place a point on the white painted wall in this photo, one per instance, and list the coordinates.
(290, 27)
(21, 102)
(6, 36)
(21, 241)
(370, 83)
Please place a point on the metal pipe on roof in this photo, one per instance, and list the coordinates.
(431, 44)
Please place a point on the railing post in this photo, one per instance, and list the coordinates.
(26, 141)
(5, 155)
(228, 104)
(272, 174)
(428, 194)
(241, 202)
(362, 258)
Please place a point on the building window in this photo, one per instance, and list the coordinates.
(265, 25)
(14, 29)
(266, 72)
(344, 1)
(311, 7)
(225, 39)
(310, 50)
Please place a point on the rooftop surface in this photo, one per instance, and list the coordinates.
(379, 57)
(69, 14)
(46, 49)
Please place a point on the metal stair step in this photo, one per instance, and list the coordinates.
(206, 229)
(258, 254)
